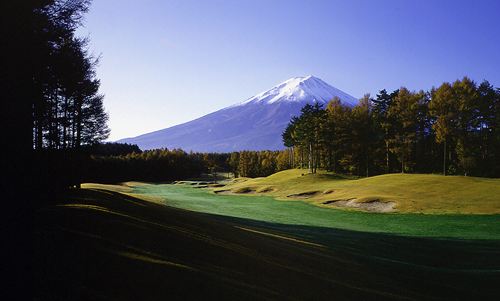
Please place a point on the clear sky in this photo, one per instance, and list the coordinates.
(168, 62)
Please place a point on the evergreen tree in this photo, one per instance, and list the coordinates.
(488, 139)
(308, 130)
(384, 124)
(67, 110)
(288, 138)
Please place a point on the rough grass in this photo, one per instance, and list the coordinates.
(413, 193)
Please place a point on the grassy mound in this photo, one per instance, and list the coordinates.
(412, 193)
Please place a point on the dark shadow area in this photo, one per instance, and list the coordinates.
(99, 245)
(432, 254)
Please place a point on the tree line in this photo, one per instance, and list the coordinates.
(67, 110)
(452, 129)
(118, 162)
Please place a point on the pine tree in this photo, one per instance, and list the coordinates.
(307, 129)
(384, 124)
(488, 139)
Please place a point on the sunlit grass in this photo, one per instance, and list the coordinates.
(428, 205)
(413, 193)
(125, 188)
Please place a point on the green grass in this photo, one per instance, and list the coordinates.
(445, 240)
(120, 243)
(106, 245)
(263, 208)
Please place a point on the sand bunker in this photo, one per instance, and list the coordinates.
(223, 192)
(374, 206)
(243, 191)
(237, 192)
(308, 195)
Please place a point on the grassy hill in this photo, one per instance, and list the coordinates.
(106, 245)
(412, 193)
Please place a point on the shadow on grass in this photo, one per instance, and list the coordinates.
(334, 176)
(101, 245)
(424, 253)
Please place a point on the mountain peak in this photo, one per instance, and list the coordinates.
(301, 89)
(254, 124)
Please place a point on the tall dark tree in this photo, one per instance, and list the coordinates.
(31, 32)
(489, 130)
(288, 137)
(50, 92)
(384, 124)
(308, 131)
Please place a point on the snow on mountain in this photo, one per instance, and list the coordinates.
(254, 124)
(301, 89)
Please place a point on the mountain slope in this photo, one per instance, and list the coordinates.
(254, 124)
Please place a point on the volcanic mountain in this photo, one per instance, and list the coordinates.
(254, 124)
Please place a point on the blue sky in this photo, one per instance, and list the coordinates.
(168, 62)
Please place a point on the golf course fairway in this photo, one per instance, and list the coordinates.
(255, 242)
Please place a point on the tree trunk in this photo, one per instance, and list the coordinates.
(310, 156)
(444, 159)
(335, 162)
(387, 156)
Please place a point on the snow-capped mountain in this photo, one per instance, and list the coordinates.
(301, 89)
(254, 124)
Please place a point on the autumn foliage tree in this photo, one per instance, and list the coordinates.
(405, 110)
(456, 124)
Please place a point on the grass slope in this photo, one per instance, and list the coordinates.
(104, 245)
(264, 208)
(413, 193)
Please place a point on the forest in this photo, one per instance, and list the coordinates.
(161, 165)
(453, 130)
